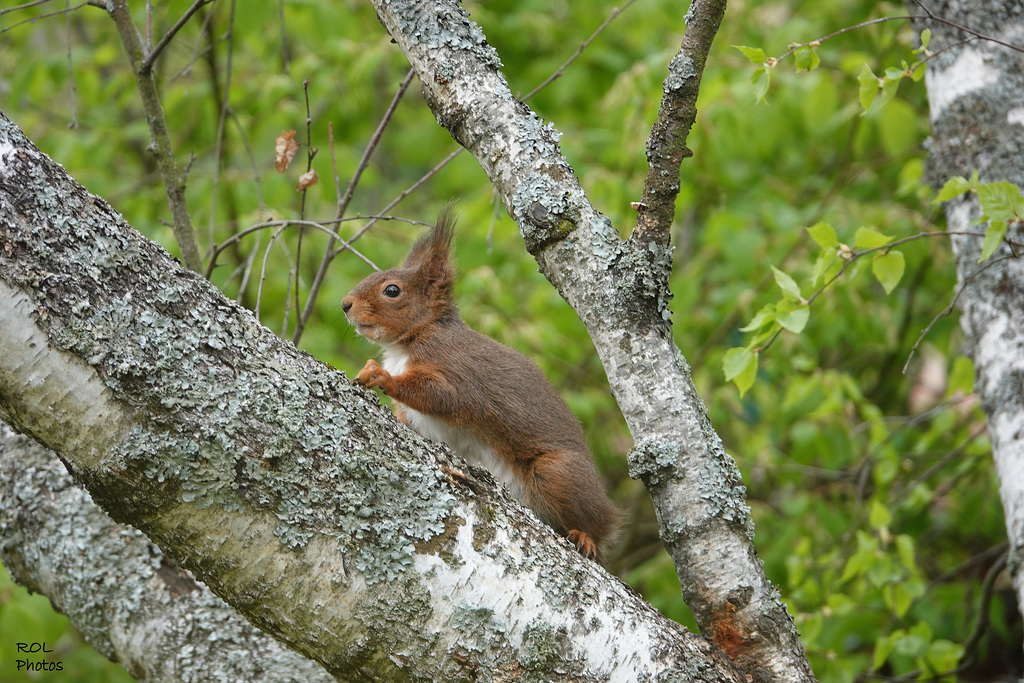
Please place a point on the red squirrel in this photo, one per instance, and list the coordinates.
(488, 402)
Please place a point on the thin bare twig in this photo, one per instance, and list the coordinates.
(616, 11)
(949, 309)
(225, 106)
(934, 17)
(25, 6)
(927, 16)
(71, 69)
(32, 20)
(864, 24)
(170, 174)
(218, 249)
(343, 201)
(147, 63)
(412, 188)
(854, 256)
(310, 154)
(364, 161)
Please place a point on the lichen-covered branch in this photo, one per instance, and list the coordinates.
(118, 589)
(171, 175)
(294, 495)
(666, 147)
(619, 289)
(976, 97)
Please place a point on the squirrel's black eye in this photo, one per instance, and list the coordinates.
(392, 291)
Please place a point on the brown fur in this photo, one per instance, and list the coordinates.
(471, 382)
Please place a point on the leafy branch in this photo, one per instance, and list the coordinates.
(875, 91)
(1001, 203)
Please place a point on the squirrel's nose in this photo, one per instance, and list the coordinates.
(346, 304)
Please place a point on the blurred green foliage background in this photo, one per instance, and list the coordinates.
(876, 506)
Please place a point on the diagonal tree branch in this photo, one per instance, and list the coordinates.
(295, 496)
(619, 289)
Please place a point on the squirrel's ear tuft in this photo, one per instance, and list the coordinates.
(431, 254)
(437, 240)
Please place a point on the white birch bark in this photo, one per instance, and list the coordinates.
(976, 98)
(620, 291)
(295, 496)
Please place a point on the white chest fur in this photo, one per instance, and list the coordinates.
(469, 446)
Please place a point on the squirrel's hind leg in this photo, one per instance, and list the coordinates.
(565, 493)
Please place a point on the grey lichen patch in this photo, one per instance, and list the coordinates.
(722, 489)
(479, 628)
(545, 212)
(605, 243)
(643, 271)
(543, 649)
(652, 458)
(564, 589)
(690, 13)
(680, 70)
(118, 589)
(442, 26)
(537, 139)
(445, 72)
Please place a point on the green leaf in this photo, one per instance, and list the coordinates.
(993, 238)
(868, 87)
(841, 604)
(789, 287)
(765, 316)
(926, 37)
(954, 187)
(879, 516)
(824, 234)
(961, 377)
(792, 315)
(806, 58)
(740, 366)
(894, 74)
(889, 87)
(888, 268)
(905, 550)
(869, 238)
(883, 648)
(755, 54)
(762, 80)
(944, 655)
(902, 597)
(1001, 201)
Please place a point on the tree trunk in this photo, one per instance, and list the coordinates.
(976, 97)
(295, 496)
(118, 589)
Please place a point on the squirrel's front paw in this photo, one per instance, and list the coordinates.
(372, 375)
